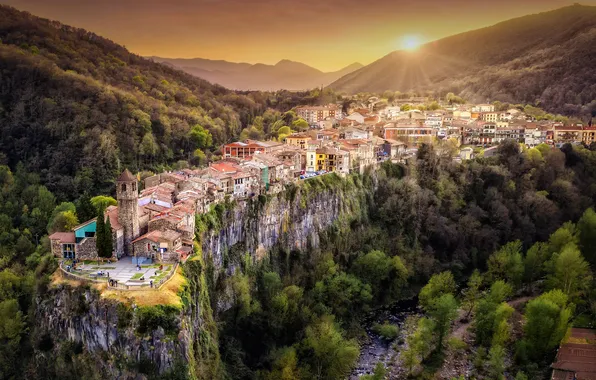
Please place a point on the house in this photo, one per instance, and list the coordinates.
(357, 117)
(409, 133)
(483, 108)
(159, 245)
(315, 114)
(394, 149)
(391, 112)
(466, 153)
(354, 133)
(576, 357)
(565, 134)
(490, 117)
(247, 149)
(298, 139)
(434, 120)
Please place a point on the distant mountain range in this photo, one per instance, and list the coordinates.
(285, 74)
(547, 58)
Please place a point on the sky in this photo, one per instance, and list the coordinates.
(326, 34)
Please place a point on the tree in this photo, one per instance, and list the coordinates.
(534, 262)
(102, 201)
(443, 311)
(285, 365)
(496, 359)
(300, 125)
(384, 274)
(85, 208)
(439, 284)
(472, 292)
(103, 236)
(507, 264)
(490, 312)
(569, 272)
(547, 319)
(332, 355)
(378, 374)
(200, 138)
(586, 227)
(63, 222)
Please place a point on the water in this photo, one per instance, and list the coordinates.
(377, 349)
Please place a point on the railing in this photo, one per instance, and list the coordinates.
(72, 274)
(143, 286)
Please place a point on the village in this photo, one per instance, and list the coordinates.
(153, 223)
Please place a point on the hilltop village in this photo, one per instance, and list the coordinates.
(155, 220)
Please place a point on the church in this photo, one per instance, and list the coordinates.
(148, 228)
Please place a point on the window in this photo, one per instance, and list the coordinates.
(123, 187)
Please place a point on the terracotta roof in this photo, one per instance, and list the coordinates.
(577, 354)
(156, 236)
(112, 213)
(126, 176)
(63, 237)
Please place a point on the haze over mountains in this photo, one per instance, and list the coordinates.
(285, 74)
(549, 58)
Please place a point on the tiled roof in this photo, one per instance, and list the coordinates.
(126, 176)
(63, 237)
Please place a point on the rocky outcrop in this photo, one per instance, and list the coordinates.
(108, 331)
(292, 220)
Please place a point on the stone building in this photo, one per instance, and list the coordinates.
(134, 222)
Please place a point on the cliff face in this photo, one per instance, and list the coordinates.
(124, 342)
(108, 332)
(292, 220)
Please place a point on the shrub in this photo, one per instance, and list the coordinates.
(386, 330)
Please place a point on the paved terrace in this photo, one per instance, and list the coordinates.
(123, 270)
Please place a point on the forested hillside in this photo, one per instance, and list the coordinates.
(77, 108)
(502, 224)
(544, 59)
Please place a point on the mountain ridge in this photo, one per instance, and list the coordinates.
(486, 63)
(285, 74)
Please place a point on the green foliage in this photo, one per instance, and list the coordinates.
(569, 272)
(586, 227)
(378, 374)
(438, 285)
(507, 264)
(443, 310)
(386, 330)
(547, 319)
(385, 275)
(332, 355)
(152, 317)
(103, 236)
(491, 316)
(496, 361)
(102, 201)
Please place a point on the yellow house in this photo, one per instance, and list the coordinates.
(298, 139)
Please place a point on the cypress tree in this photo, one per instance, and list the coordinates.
(100, 232)
(109, 243)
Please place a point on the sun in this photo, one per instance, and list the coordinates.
(410, 42)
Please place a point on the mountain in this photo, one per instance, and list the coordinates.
(77, 108)
(285, 74)
(546, 58)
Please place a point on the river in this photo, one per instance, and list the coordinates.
(377, 349)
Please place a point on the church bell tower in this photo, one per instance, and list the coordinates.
(128, 208)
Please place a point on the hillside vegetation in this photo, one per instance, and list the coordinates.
(77, 108)
(545, 59)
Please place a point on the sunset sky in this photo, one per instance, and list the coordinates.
(326, 34)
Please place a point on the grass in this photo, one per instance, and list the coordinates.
(166, 295)
(137, 276)
(103, 267)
